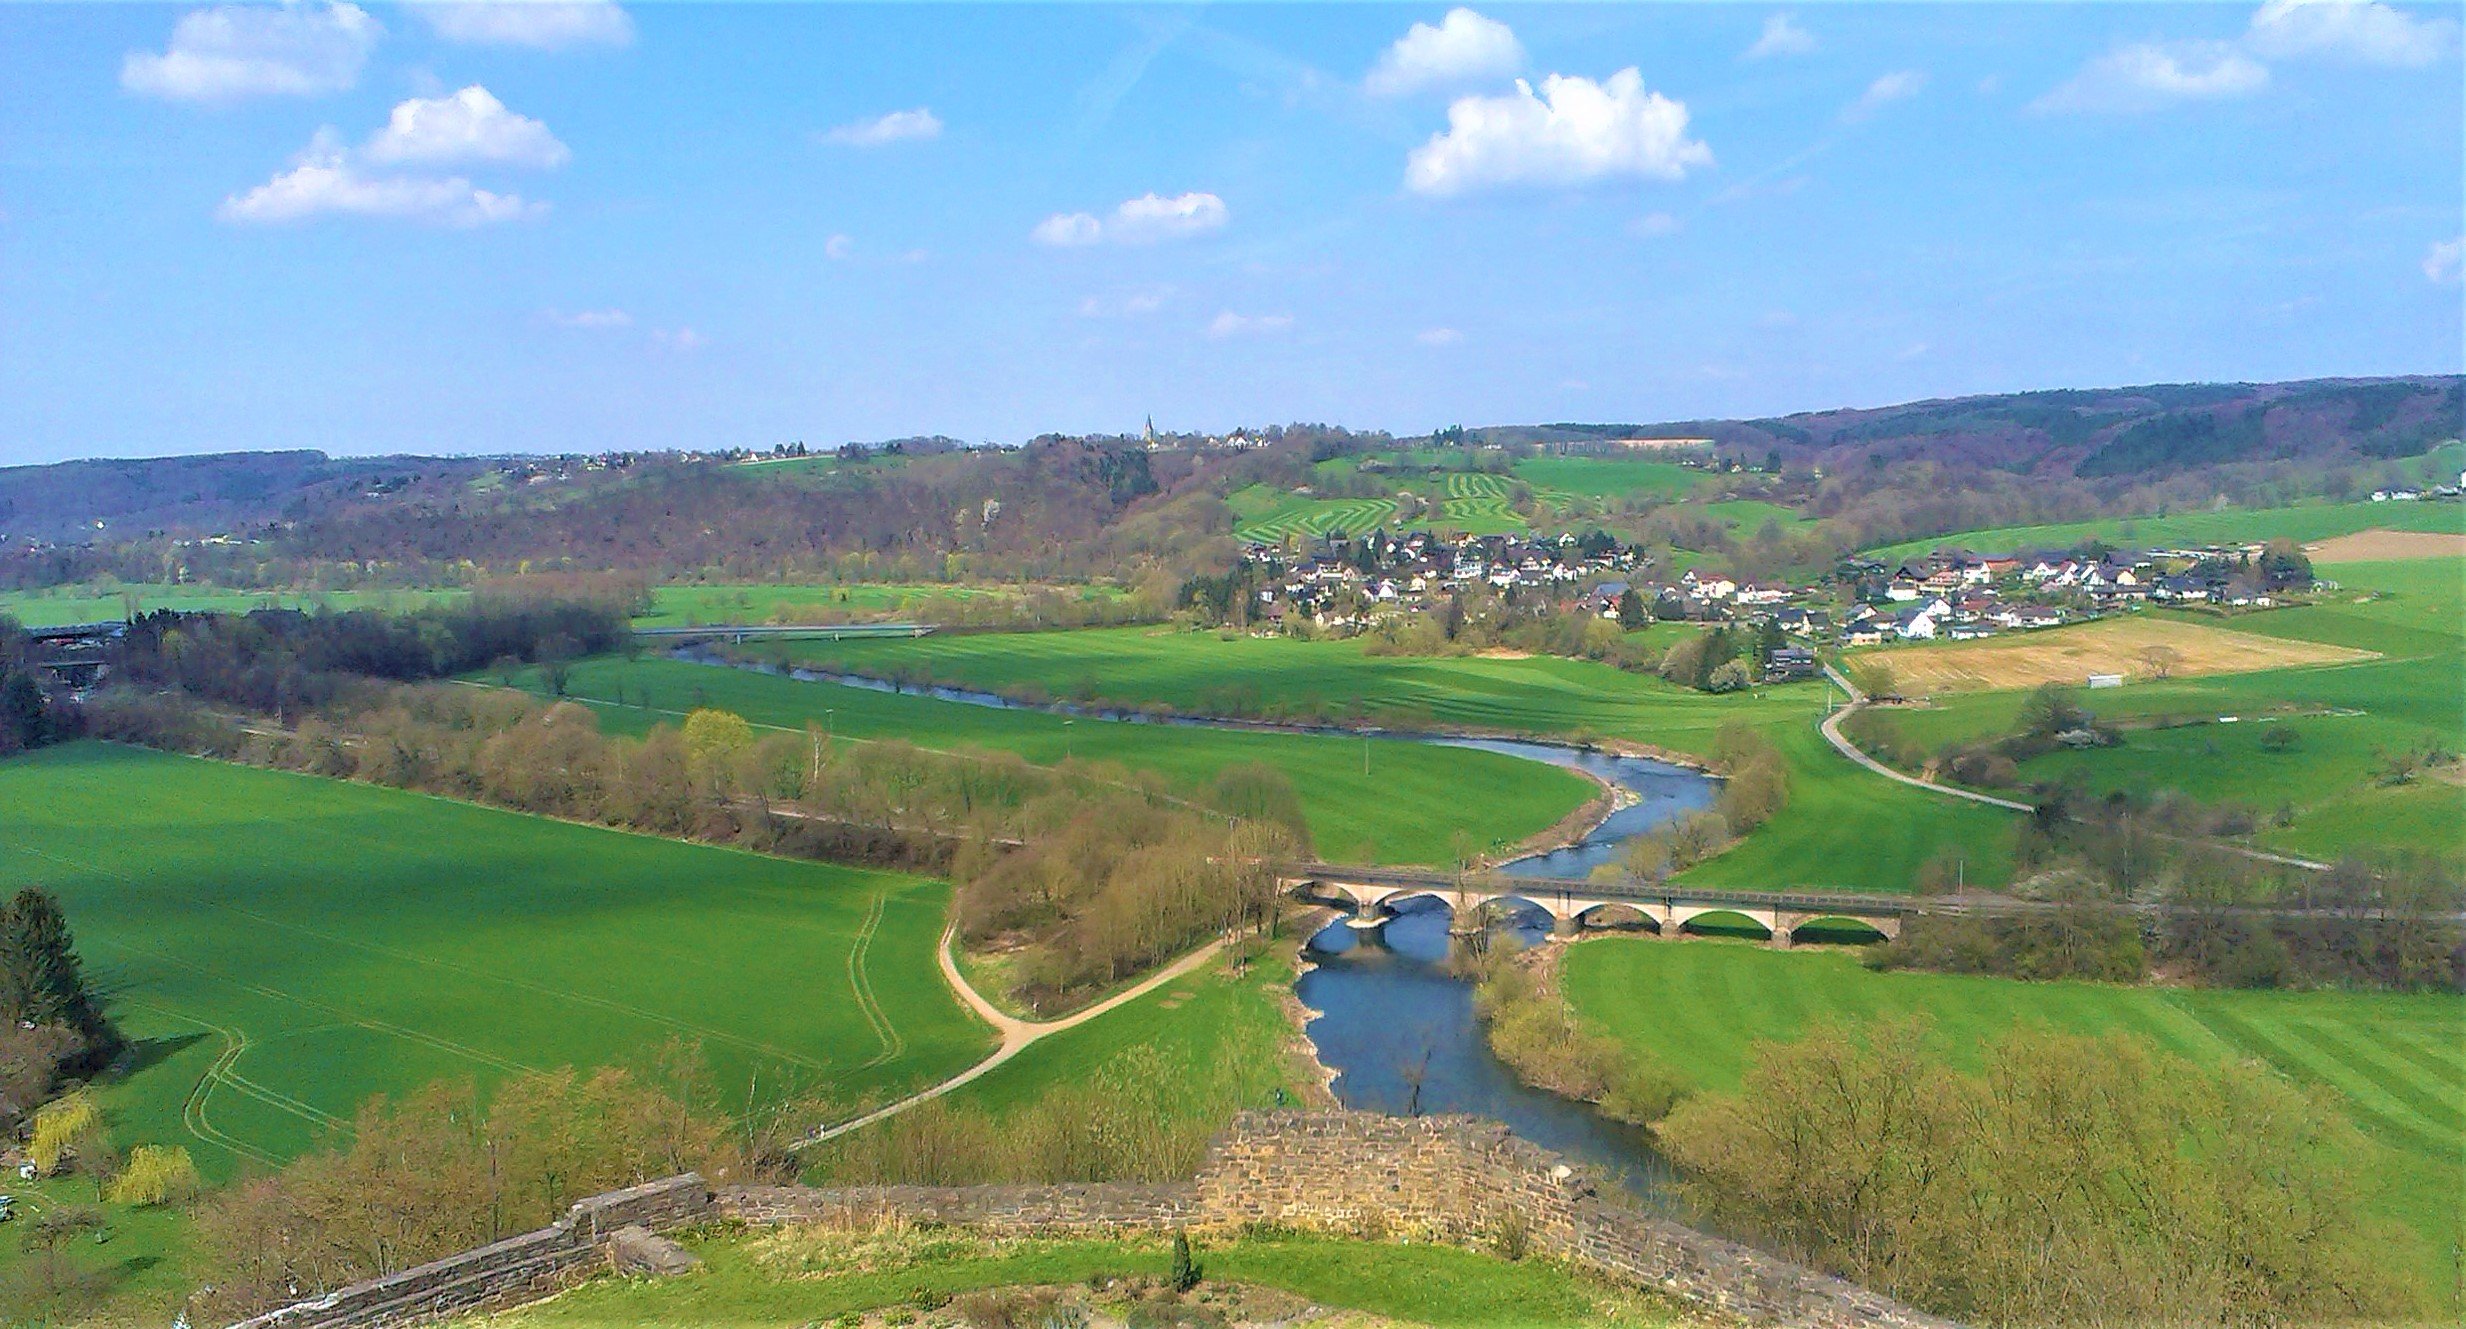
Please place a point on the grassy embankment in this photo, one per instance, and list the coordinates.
(1843, 827)
(2397, 1063)
(1406, 808)
(96, 603)
(671, 606)
(758, 1280)
(2411, 614)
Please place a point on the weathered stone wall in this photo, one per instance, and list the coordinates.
(1077, 1209)
(1453, 1179)
(505, 1272)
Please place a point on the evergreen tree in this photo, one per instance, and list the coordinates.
(41, 978)
(1631, 611)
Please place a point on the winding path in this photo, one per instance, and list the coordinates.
(1842, 745)
(1017, 1034)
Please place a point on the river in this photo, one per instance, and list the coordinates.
(1389, 1016)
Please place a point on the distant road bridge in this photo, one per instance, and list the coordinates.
(1372, 895)
(742, 632)
(74, 653)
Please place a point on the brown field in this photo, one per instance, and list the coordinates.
(2364, 546)
(2110, 646)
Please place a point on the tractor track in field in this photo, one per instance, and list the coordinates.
(860, 982)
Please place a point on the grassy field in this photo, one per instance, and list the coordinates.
(99, 603)
(2396, 1062)
(1609, 477)
(693, 606)
(2411, 613)
(760, 1281)
(1406, 807)
(284, 946)
(2313, 521)
(1843, 827)
(2069, 655)
(1270, 515)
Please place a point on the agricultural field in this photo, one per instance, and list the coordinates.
(2379, 545)
(2305, 523)
(1405, 807)
(766, 1279)
(2396, 1062)
(1609, 477)
(1843, 827)
(696, 605)
(111, 603)
(1477, 504)
(2122, 646)
(2323, 796)
(284, 946)
(1271, 517)
(1746, 516)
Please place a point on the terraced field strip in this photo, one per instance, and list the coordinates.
(1319, 517)
(331, 940)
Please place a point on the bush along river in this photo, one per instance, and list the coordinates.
(1390, 1015)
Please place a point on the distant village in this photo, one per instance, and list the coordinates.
(1345, 584)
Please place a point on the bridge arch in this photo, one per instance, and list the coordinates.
(1840, 929)
(1709, 921)
(1617, 916)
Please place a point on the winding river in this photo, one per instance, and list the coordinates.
(1388, 1014)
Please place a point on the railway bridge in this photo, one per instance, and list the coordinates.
(744, 632)
(1373, 894)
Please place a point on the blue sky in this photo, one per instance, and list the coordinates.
(468, 228)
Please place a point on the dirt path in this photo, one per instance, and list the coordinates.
(1016, 1034)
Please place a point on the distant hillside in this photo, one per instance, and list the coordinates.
(2135, 433)
(113, 500)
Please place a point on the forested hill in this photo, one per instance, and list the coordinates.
(2093, 433)
(122, 499)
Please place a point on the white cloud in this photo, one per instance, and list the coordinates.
(1438, 336)
(677, 339)
(1575, 131)
(1464, 48)
(838, 247)
(1653, 226)
(469, 126)
(895, 127)
(1899, 85)
(2145, 76)
(592, 320)
(233, 51)
(1782, 36)
(548, 25)
(328, 180)
(1230, 324)
(2441, 262)
(1143, 220)
(1065, 230)
(2355, 31)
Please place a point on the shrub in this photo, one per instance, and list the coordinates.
(1186, 1271)
(155, 1174)
(70, 1125)
(2280, 738)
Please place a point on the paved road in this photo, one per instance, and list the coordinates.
(1017, 1034)
(1842, 745)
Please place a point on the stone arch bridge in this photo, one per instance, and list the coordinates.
(1373, 894)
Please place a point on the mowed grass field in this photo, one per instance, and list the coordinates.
(94, 603)
(2411, 614)
(693, 606)
(284, 946)
(1404, 808)
(752, 1281)
(1843, 826)
(1610, 477)
(2303, 523)
(2069, 655)
(2395, 1062)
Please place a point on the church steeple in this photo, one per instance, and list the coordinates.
(1150, 435)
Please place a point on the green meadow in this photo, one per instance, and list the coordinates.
(91, 602)
(746, 602)
(2395, 1062)
(2345, 718)
(1405, 807)
(2304, 522)
(1843, 826)
(1418, 1283)
(1609, 477)
(284, 946)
